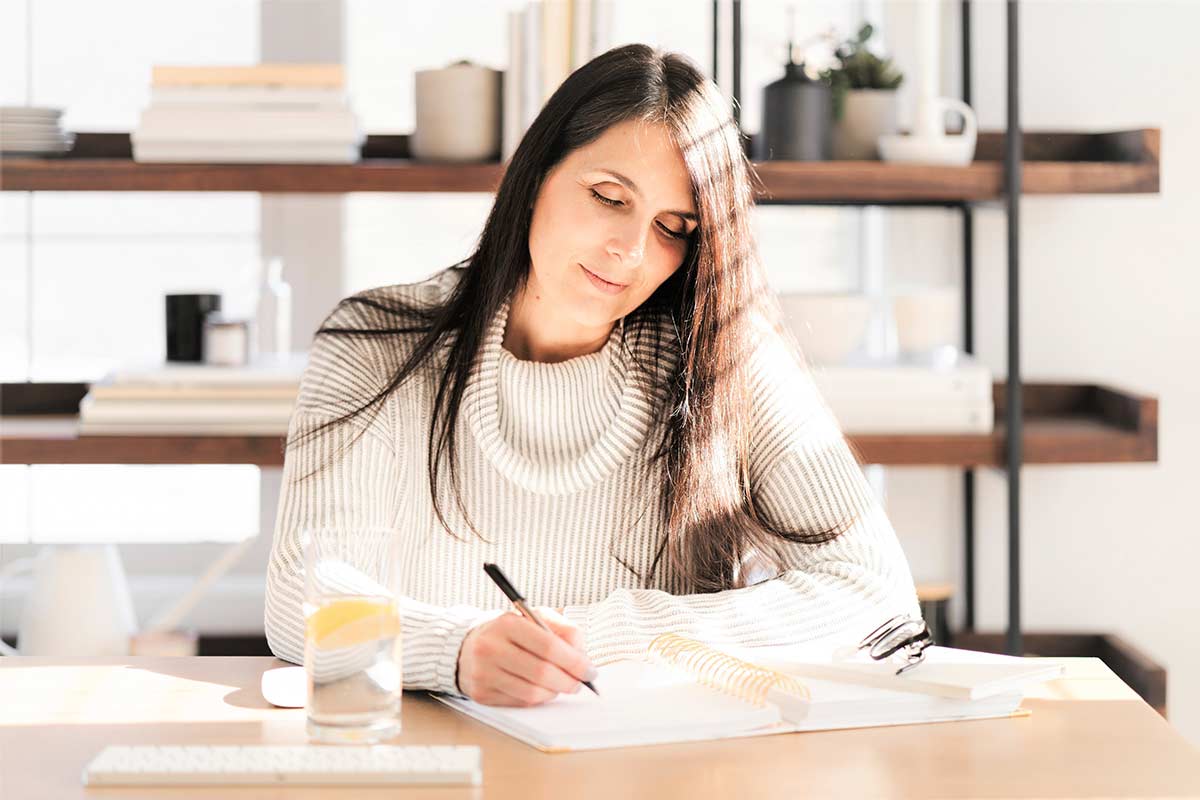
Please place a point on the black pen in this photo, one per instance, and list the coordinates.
(510, 591)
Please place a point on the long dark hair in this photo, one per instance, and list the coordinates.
(714, 304)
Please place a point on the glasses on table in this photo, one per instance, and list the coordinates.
(352, 638)
(900, 636)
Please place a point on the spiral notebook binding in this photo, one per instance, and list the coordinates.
(723, 672)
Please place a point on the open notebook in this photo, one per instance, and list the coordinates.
(686, 691)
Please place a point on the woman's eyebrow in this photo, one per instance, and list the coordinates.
(631, 186)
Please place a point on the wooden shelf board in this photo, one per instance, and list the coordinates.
(1056, 163)
(1065, 424)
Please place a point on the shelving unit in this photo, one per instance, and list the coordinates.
(1066, 424)
(1050, 423)
(1007, 165)
(1056, 163)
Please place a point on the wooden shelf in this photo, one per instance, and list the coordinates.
(1055, 163)
(1064, 424)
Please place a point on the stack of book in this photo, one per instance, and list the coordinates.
(264, 113)
(33, 131)
(194, 400)
(547, 41)
(909, 397)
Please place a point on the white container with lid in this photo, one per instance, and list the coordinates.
(457, 113)
(226, 340)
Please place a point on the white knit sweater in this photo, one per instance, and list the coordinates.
(555, 475)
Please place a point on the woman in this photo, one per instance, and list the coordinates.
(601, 400)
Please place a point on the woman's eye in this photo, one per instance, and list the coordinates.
(610, 202)
(607, 201)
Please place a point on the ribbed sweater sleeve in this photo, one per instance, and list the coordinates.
(805, 479)
(347, 477)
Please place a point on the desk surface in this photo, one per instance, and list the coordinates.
(1089, 736)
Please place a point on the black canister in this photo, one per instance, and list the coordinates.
(797, 118)
(185, 324)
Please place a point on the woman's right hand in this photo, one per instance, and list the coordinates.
(510, 661)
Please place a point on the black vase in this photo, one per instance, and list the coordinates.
(797, 118)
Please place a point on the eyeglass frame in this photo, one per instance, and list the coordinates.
(920, 640)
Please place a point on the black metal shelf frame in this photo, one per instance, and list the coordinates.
(1011, 203)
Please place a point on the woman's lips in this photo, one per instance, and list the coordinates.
(607, 287)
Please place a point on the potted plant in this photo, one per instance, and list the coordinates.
(864, 98)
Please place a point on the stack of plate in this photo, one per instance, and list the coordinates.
(33, 131)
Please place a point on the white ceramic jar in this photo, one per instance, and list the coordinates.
(457, 114)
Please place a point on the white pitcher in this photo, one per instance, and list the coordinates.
(928, 143)
(79, 603)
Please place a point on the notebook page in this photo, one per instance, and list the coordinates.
(639, 703)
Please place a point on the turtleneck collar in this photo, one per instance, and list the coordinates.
(556, 428)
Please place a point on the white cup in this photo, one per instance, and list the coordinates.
(926, 319)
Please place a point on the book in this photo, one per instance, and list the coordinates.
(201, 411)
(280, 125)
(687, 691)
(883, 415)
(282, 371)
(247, 96)
(87, 428)
(555, 46)
(531, 64)
(512, 128)
(946, 672)
(171, 393)
(281, 152)
(967, 379)
(309, 75)
(582, 21)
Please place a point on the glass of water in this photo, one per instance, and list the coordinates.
(352, 638)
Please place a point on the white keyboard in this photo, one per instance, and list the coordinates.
(213, 765)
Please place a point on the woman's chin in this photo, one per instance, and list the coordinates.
(594, 312)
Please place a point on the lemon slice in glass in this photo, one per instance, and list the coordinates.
(353, 621)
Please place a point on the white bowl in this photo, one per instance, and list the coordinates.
(829, 326)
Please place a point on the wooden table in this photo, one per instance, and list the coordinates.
(1089, 736)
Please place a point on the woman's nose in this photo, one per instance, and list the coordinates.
(628, 244)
